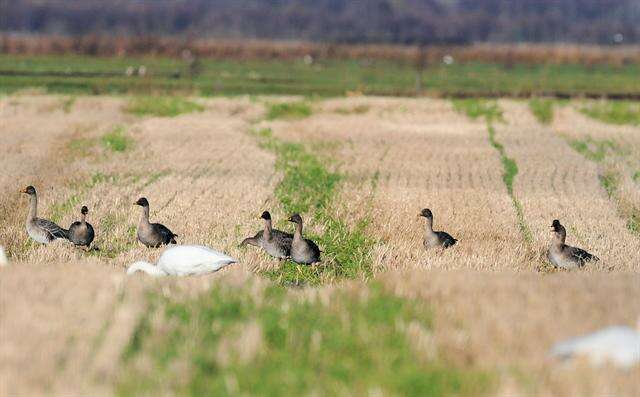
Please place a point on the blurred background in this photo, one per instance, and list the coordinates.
(324, 47)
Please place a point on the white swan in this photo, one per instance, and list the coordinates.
(3, 257)
(618, 345)
(184, 260)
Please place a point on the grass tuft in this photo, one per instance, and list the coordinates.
(542, 109)
(476, 107)
(162, 106)
(614, 112)
(117, 140)
(594, 150)
(243, 341)
(292, 110)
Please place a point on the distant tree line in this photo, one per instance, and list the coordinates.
(341, 21)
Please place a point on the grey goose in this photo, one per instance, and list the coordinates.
(275, 242)
(41, 230)
(432, 238)
(152, 235)
(81, 232)
(565, 256)
(303, 250)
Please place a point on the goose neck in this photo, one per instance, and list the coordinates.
(33, 206)
(267, 229)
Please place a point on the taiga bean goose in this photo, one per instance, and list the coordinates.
(152, 234)
(302, 250)
(41, 230)
(277, 243)
(435, 239)
(81, 232)
(184, 260)
(565, 256)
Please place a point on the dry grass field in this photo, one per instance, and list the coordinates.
(476, 319)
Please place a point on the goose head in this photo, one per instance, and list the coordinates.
(30, 190)
(84, 210)
(295, 218)
(266, 216)
(142, 202)
(426, 213)
(556, 226)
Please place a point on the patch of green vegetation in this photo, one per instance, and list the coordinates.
(592, 149)
(542, 109)
(636, 176)
(117, 140)
(359, 109)
(80, 147)
(246, 341)
(162, 106)
(477, 107)
(614, 112)
(288, 110)
(308, 186)
(68, 103)
(609, 181)
(73, 75)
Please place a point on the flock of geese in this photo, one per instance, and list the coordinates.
(191, 259)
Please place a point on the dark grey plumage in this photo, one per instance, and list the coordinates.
(435, 238)
(152, 234)
(303, 250)
(41, 230)
(275, 242)
(565, 256)
(81, 232)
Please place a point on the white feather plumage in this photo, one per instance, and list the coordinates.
(184, 260)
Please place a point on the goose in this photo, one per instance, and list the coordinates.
(3, 257)
(619, 345)
(184, 260)
(152, 234)
(565, 256)
(435, 239)
(276, 242)
(41, 230)
(81, 232)
(303, 250)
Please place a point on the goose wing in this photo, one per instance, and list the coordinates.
(167, 235)
(51, 228)
(446, 239)
(185, 260)
(581, 255)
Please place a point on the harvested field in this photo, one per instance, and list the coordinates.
(486, 311)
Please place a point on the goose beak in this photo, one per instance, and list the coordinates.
(22, 191)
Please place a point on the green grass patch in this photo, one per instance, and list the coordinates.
(477, 107)
(246, 341)
(288, 110)
(610, 181)
(636, 176)
(309, 187)
(162, 106)
(74, 75)
(542, 109)
(117, 140)
(359, 109)
(592, 149)
(614, 112)
(67, 104)
(80, 147)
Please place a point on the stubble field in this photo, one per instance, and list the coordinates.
(381, 315)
